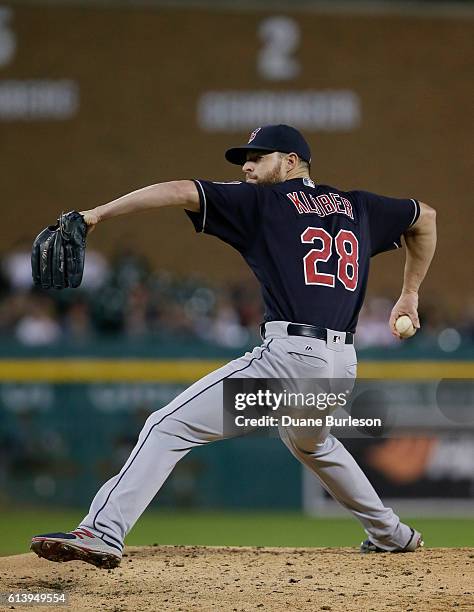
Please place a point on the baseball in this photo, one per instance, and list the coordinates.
(405, 327)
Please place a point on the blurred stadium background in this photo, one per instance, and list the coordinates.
(99, 98)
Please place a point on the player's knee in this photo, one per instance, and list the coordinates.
(156, 424)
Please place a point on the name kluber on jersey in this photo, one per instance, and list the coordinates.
(321, 205)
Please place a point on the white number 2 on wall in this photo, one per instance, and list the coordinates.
(281, 37)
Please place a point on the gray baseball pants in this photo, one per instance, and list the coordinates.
(195, 417)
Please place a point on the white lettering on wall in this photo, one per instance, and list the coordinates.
(35, 99)
(313, 110)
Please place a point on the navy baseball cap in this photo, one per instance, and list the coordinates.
(271, 138)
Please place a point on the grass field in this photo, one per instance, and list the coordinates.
(226, 528)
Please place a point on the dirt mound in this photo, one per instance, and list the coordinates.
(190, 578)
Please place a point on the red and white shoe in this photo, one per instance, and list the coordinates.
(77, 545)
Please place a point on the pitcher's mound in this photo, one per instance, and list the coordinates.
(243, 579)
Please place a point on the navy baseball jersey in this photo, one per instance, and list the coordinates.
(309, 245)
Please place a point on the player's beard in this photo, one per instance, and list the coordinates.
(274, 175)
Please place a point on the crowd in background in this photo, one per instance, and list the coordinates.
(125, 297)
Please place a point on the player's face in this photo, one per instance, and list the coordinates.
(263, 168)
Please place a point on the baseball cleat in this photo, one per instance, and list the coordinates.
(78, 545)
(415, 542)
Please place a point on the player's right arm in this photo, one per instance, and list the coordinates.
(175, 193)
(420, 241)
(389, 219)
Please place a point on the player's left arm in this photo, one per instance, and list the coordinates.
(420, 240)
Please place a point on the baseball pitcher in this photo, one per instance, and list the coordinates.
(309, 245)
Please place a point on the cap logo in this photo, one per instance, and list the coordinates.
(253, 134)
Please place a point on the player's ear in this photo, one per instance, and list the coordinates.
(292, 160)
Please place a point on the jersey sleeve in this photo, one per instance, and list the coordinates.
(228, 211)
(388, 219)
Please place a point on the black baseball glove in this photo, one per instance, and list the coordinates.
(58, 253)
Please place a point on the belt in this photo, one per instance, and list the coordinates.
(310, 331)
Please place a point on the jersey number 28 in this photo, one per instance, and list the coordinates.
(347, 248)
